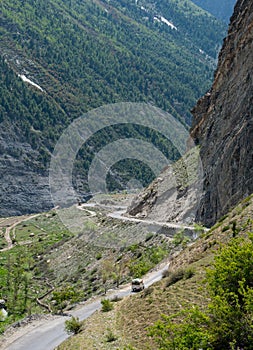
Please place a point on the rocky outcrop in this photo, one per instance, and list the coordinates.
(174, 195)
(24, 184)
(223, 121)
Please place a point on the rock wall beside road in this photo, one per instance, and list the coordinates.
(223, 121)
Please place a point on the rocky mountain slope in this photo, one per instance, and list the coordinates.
(223, 121)
(62, 59)
(174, 195)
(222, 128)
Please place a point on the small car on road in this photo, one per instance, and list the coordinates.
(137, 285)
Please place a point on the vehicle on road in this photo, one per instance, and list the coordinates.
(137, 285)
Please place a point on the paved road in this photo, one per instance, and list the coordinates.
(119, 214)
(51, 333)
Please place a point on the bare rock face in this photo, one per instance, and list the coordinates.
(174, 196)
(223, 121)
(24, 184)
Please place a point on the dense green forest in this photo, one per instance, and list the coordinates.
(95, 52)
(84, 55)
(25, 107)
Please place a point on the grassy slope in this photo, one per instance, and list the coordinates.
(134, 314)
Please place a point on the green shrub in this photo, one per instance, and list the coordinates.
(107, 305)
(188, 273)
(230, 286)
(110, 337)
(139, 268)
(99, 256)
(133, 248)
(178, 238)
(186, 330)
(235, 230)
(199, 229)
(73, 325)
(2, 317)
(67, 295)
(156, 254)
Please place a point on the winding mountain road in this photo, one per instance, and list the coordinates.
(51, 333)
(119, 215)
(48, 334)
(121, 210)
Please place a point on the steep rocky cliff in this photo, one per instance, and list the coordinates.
(223, 121)
(223, 128)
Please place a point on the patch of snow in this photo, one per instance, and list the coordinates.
(157, 19)
(144, 9)
(171, 25)
(26, 80)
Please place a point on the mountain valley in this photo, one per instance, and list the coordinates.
(187, 232)
(63, 59)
